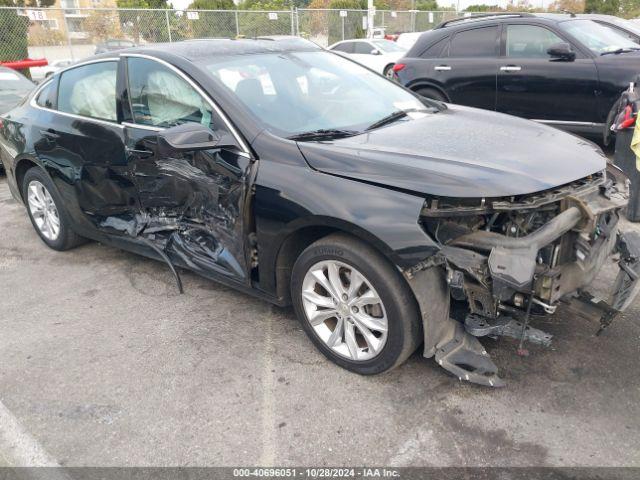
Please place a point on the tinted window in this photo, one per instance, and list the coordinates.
(388, 46)
(344, 47)
(529, 41)
(89, 90)
(597, 38)
(47, 96)
(435, 50)
(363, 48)
(480, 42)
(161, 98)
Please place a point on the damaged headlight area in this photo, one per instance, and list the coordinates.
(509, 257)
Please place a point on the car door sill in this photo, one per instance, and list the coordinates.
(575, 127)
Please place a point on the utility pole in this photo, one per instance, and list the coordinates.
(370, 18)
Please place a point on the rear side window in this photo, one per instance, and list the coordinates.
(363, 48)
(435, 50)
(89, 90)
(47, 96)
(479, 42)
(344, 47)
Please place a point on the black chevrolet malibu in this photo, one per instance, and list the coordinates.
(298, 176)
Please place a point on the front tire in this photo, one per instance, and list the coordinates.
(46, 211)
(354, 305)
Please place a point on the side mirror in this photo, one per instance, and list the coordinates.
(561, 51)
(191, 137)
(375, 51)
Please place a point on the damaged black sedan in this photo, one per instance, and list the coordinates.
(296, 175)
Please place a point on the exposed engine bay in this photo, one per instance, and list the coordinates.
(510, 257)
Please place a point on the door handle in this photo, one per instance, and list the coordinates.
(510, 68)
(49, 134)
(442, 68)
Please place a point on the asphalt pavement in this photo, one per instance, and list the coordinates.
(103, 363)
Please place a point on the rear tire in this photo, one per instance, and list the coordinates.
(431, 93)
(46, 211)
(377, 325)
(388, 70)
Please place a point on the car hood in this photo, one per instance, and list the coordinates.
(460, 152)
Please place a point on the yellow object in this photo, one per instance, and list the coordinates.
(635, 145)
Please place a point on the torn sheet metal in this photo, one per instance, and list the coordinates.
(191, 208)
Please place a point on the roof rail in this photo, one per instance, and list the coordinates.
(480, 16)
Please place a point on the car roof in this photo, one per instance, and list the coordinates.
(503, 16)
(208, 48)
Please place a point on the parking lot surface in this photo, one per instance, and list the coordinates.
(102, 362)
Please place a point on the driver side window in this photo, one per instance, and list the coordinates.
(529, 41)
(161, 98)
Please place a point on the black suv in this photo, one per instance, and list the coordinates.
(557, 69)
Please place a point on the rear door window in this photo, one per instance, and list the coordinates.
(479, 42)
(89, 90)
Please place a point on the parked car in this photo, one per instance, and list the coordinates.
(377, 54)
(13, 87)
(407, 40)
(336, 190)
(560, 70)
(113, 45)
(624, 27)
(38, 73)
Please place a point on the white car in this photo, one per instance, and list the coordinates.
(377, 54)
(406, 40)
(39, 73)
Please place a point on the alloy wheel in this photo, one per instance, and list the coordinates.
(344, 310)
(43, 210)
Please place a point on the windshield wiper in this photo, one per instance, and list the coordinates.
(620, 50)
(393, 117)
(323, 134)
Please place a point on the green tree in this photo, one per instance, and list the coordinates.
(630, 8)
(14, 30)
(483, 8)
(213, 24)
(352, 23)
(608, 7)
(139, 24)
(427, 5)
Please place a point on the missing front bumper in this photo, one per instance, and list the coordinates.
(496, 274)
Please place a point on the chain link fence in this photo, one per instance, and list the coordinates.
(61, 35)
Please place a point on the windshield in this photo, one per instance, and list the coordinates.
(598, 38)
(388, 46)
(296, 92)
(10, 80)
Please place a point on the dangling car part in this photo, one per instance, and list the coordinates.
(546, 247)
